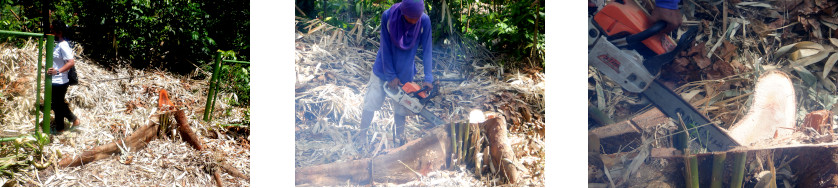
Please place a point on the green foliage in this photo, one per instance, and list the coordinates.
(174, 33)
(508, 27)
(515, 28)
(235, 78)
(17, 15)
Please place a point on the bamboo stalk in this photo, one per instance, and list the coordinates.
(38, 83)
(462, 141)
(48, 86)
(773, 181)
(453, 136)
(738, 169)
(211, 89)
(694, 170)
(467, 142)
(718, 170)
(691, 171)
(683, 138)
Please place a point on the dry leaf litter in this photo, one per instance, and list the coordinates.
(111, 103)
(332, 72)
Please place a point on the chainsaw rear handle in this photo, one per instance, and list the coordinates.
(424, 88)
(645, 34)
(655, 63)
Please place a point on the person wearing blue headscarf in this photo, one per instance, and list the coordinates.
(404, 27)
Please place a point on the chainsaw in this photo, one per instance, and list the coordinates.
(629, 50)
(415, 98)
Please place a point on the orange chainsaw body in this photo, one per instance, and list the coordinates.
(617, 18)
(411, 87)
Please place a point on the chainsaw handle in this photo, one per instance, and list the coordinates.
(655, 63)
(645, 34)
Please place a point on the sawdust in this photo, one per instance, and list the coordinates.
(111, 103)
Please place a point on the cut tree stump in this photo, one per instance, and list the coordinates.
(772, 114)
(502, 155)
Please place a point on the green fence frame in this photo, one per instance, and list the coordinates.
(213, 89)
(45, 127)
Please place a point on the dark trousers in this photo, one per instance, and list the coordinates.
(59, 107)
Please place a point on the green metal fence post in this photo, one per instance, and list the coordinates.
(48, 85)
(211, 91)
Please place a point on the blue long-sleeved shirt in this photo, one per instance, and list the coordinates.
(392, 62)
(667, 4)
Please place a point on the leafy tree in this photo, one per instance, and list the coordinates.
(173, 34)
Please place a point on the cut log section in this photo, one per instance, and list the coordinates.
(399, 165)
(772, 113)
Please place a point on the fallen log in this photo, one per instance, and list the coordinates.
(415, 159)
(426, 154)
(135, 141)
(772, 114)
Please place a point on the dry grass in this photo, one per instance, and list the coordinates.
(111, 103)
